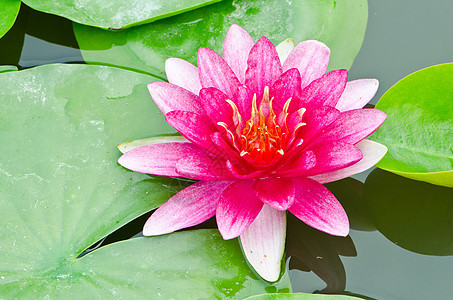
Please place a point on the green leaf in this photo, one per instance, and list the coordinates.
(301, 296)
(187, 265)
(419, 127)
(339, 24)
(116, 14)
(9, 9)
(4, 69)
(414, 215)
(62, 190)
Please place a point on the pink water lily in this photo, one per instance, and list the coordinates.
(263, 128)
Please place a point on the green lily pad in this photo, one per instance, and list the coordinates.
(9, 9)
(300, 296)
(412, 214)
(62, 190)
(188, 265)
(339, 24)
(4, 69)
(419, 128)
(116, 14)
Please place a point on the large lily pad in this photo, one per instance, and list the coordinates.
(339, 24)
(62, 190)
(8, 13)
(412, 214)
(419, 128)
(116, 13)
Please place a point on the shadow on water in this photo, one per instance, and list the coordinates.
(414, 215)
(38, 38)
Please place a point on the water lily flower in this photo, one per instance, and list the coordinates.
(262, 129)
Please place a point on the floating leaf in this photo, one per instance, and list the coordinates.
(116, 13)
(194, 264)
(9, 9)
(339, 24)
(414, 215)
(62, 190)
(419, 128)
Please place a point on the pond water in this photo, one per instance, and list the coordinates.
(408, 256)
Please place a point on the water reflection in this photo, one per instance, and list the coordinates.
(49, 39)
(313, 250)
(414, 215)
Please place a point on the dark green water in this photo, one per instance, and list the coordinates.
(408, 256)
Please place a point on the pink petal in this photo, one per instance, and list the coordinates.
(236, 49)
(244, 102)
(353, 126)
(264, 242)
(196, 128)
(357, 94)
(285, 87)
(203, 167)
(299, 165)
(264, 66)
(238, 207)
(191, 206)
(325, 90)
(333, 156)
(311, 58)
(372, 153)
(183, 74)
(276, 192)
(242, 173)
(316, 120)
(215, 72)
(216, 106)
(169, 97)
(158, 159)
(318, 208)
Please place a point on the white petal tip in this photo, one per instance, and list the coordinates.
(285, 48)
(128, 146)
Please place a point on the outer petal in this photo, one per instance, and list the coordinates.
(196, 128)
(183, 74)
(311, 58)
(353, 126)
(357, 94)
(191, 206)
(203, 167)
(264, 241)
(372, 154)
(215, 72)
(171, 97)
(325, 90)
(276, 192)
(158, 159)
(319, 208)
(236, 49)
(238, 208)
(264, 66)
(128, 146)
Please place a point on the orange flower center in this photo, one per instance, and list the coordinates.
(264, 137)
